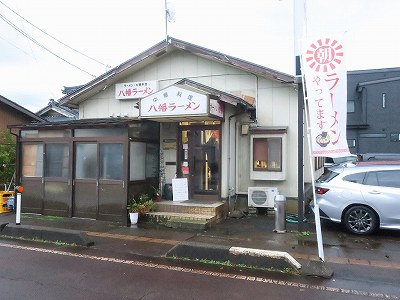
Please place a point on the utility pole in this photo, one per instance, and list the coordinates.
(298, 21)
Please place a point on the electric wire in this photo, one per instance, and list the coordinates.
(12, 44)
(40, 45)
(54, 38)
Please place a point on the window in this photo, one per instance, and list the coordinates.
(267, 154)
(351, 107)
(383, 100)
(372, 135)
(356, 178)
(86, 161)
(389, 178)
(371, 179)
(268, 158)
(45, 133)
(351, 143)
(111, 158)
(318, 163)
(395, 137)
(32, 165)
(56, 160)
(144, 161)
(99, 132)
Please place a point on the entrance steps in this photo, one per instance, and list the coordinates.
(191, 214)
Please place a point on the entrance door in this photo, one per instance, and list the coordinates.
(99, 189)
(85, 201)
(199, 161)
(45, 169)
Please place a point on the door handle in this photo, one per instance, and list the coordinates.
(374, 192)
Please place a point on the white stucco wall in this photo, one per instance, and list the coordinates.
(276, 107)
(168, 70)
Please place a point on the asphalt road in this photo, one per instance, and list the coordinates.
(40, 271)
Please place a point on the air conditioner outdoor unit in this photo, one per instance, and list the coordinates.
(262, 196)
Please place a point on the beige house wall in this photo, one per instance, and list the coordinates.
(276, 105)
(168, 70)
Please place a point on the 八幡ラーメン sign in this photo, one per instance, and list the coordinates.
(176, 101)
(135, 90)
(323, 65)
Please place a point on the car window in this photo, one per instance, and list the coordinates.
(356, 177)
(327, 176)
(389, 178)
(371, 179)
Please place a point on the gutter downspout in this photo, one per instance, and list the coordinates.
(17, 157)
(229, 157)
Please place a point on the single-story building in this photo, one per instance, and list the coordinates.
(227, 126)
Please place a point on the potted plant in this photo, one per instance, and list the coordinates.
(147, 204)
(139, 205)
(157, 194)
(134, 208)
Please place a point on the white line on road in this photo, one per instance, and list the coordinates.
(209, 273)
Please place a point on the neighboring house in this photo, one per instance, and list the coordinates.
(54, 112)
(12, 113)
(373, 108)
(177, 110)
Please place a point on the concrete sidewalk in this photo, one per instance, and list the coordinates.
(249, 240)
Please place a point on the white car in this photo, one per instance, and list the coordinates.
(363, 197)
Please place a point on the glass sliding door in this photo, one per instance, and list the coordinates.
(99, 186)
(32, 177)
(57, 186)
(111, 191)
(200, 161)
(85, 204)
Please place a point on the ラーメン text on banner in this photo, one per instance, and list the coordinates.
(323, 66)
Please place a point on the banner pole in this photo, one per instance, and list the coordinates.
(316, 206)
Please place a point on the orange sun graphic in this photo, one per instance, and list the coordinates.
(324, 55)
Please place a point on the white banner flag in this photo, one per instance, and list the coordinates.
(323, 64)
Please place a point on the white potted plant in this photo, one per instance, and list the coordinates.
(134, 208)
(144, 204)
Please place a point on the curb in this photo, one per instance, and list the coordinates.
(236, 255)
(68, 236)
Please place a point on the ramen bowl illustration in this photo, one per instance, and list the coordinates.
(323, 139)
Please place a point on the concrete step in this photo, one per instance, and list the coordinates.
(181, 220)
(193, 207)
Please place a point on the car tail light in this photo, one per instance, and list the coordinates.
(320, 190)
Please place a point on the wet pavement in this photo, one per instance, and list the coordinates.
(253, 231)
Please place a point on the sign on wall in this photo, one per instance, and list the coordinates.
(174, 101)
(323, 65)
(135, 90)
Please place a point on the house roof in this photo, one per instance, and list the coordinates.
(55, 112)
(81, 123)
(21, 109)
(152, 54)
(360, 85)
(225, 97)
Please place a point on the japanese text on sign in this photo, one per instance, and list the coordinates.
(326, 85)
(173, 101)
(135, 90)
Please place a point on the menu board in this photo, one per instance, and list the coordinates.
(180, 189)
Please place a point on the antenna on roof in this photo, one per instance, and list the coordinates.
(169, 17)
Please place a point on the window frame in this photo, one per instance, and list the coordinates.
(269, 173)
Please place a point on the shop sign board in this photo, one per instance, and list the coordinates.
(135, 90)
(174, 101)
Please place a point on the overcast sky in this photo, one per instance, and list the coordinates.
(111, 32)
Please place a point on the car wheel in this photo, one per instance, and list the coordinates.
(360, 220)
